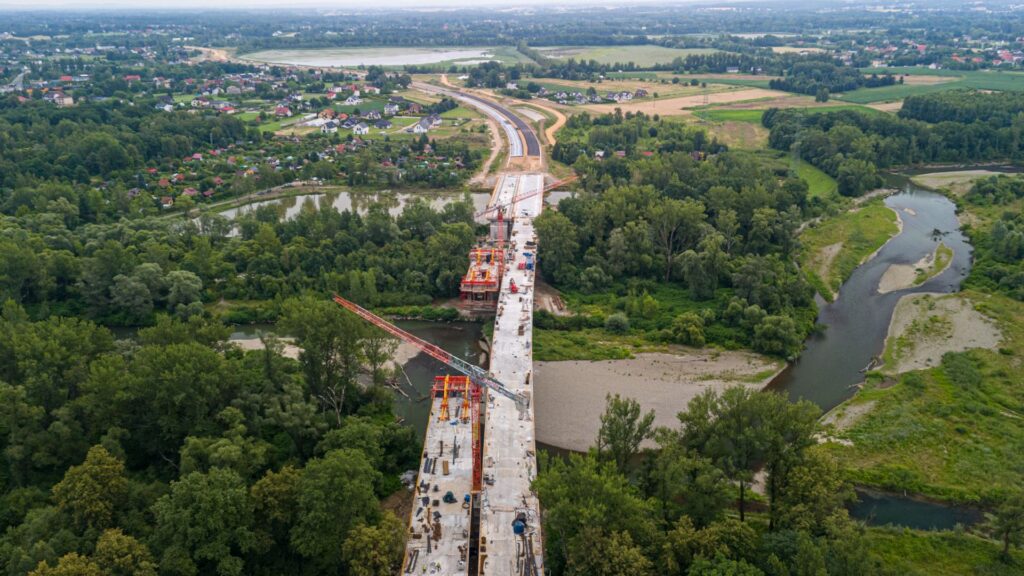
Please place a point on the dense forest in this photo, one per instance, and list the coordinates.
(998, 249)
(666, 207)
(852, 145)
(623, 511)
(820, 78)
(127, 272)
(175, 453)
(998, 109)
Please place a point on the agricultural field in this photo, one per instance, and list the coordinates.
(682, 105)
(642, 55)
(914, 83)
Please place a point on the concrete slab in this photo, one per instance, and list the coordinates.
(509, 451)
(445, 442)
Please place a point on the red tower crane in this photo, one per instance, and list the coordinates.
(476, 374)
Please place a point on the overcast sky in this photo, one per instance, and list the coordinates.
(278, 4)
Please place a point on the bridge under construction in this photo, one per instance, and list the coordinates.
(474, 512)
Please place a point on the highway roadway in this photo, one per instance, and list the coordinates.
(522, 140)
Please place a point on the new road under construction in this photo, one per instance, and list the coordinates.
(474, 512)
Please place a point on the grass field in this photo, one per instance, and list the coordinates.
(941, 434)
(949, 553)
(836, 246)
(719, 79)
(641, 55)
(819, 184)
(977, 79)
(753, 116)
(894, 92)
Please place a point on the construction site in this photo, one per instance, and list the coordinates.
(474, 512)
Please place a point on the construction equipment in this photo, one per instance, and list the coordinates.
(443, 415)
(501, 207)
(477, 374)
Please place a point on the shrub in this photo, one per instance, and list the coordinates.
(617, 323)
(688, 328)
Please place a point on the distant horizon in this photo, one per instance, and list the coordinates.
(263, 5)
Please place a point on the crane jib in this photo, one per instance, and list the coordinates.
(475, 373)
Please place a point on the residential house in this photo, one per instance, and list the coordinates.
(372, 115)
(382, 124)
(353, 100)
(330, 127)
(59, 99)
(282, 112)
(390, 109)
(361, 129)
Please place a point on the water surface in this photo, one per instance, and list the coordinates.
(855, 325)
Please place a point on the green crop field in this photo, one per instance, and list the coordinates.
(749, 82)
(632, 75)
(753, 116)
(894, 92)
(641, 55)
(977, 79)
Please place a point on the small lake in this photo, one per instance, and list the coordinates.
(290, 206)
(377, 56)
(879, 509)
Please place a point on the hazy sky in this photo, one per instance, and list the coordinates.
(270, 4)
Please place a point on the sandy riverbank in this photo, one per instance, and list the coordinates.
(570, 395)
(926, 326)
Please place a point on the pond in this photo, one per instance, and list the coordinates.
(290, 206)
(377, 56)
(879, 509)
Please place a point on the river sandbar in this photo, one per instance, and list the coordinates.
(926, 326)
(570, 395)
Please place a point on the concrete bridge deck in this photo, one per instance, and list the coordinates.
(509, 452)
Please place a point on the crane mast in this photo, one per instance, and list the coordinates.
(500, 207)
(475, 373)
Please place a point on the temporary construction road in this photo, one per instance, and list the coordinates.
(441, 535)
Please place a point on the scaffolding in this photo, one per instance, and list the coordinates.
(481, 285)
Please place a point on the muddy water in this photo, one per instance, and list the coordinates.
(290, 206)
(855, 325)
(459, 338)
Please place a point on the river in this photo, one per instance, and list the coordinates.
(459, 338)
(832, 363)
(856, 323)
(855, 326)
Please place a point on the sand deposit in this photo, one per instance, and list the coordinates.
(902, 276)
(926, 326)
(679, 106)
(958, 182)
(570, 395)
